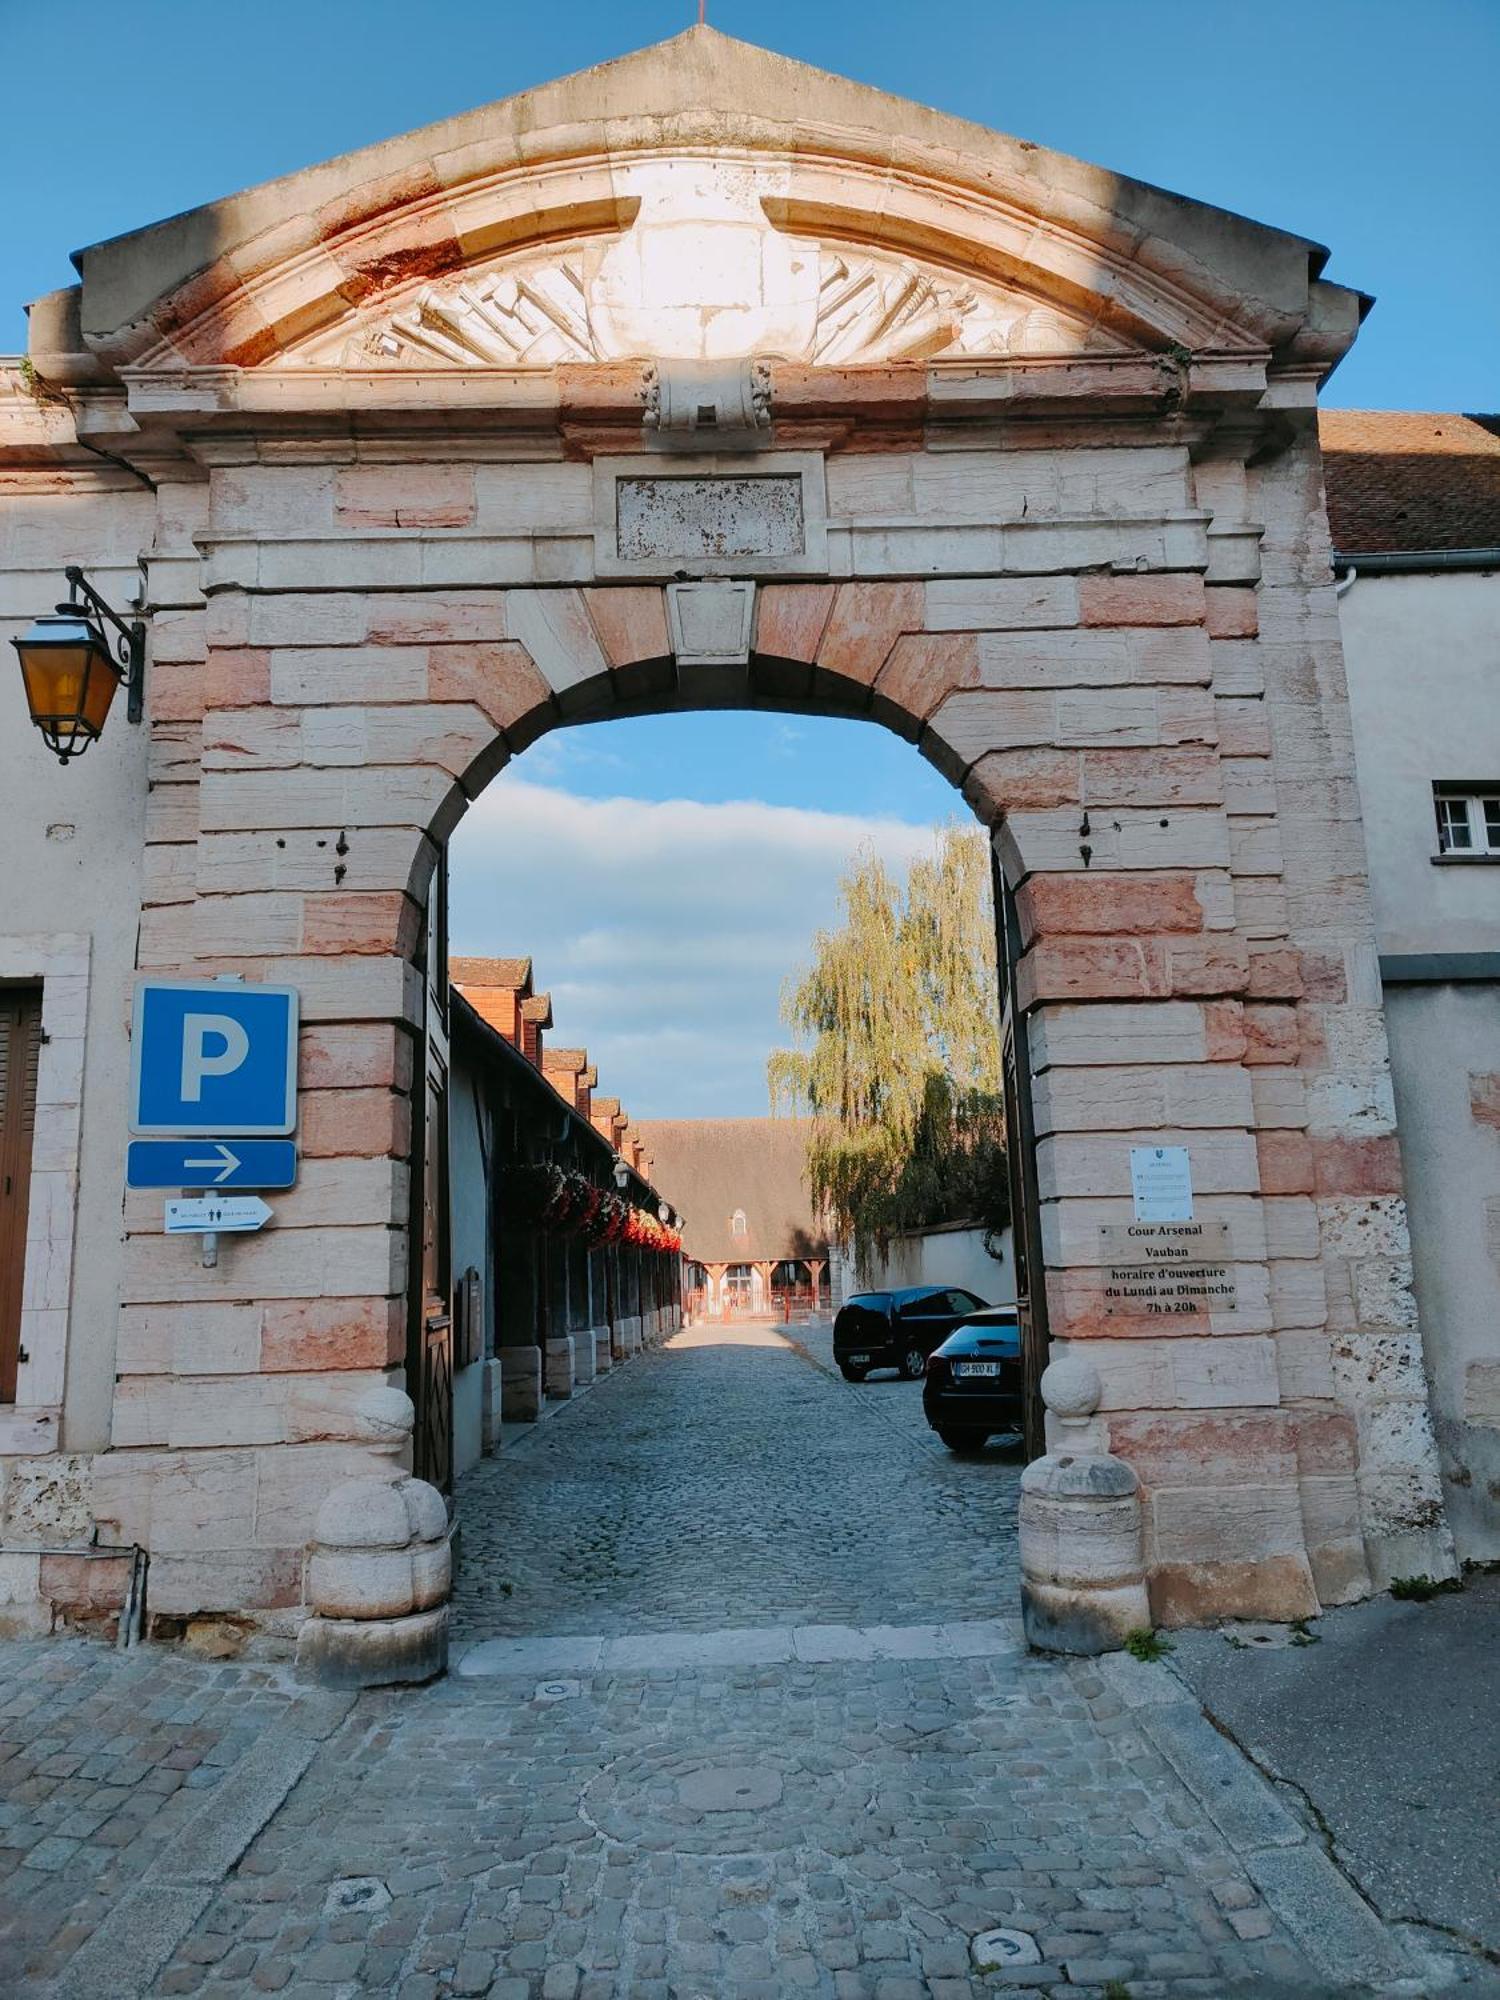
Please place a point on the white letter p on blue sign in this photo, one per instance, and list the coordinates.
(197, 1063)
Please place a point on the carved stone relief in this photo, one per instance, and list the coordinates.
(701, 275)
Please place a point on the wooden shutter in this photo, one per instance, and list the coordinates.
(20, 1052)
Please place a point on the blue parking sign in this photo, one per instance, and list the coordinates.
(214, 1057)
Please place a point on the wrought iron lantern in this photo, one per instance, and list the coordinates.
(622, 1174)
(71, 664)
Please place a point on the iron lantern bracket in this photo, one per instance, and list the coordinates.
(127, 641)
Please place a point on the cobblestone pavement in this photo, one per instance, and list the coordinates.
(845, 1831)
(724, 1478)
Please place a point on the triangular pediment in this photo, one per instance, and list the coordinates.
(704, 198)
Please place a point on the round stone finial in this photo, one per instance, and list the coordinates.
(1071, 1388)
(363, 1514)
(384, 1417)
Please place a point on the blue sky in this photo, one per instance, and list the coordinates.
(1368, 125)
(666, 874)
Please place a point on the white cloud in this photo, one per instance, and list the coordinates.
(662, 929)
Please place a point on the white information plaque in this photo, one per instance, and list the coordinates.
(1161, 1183)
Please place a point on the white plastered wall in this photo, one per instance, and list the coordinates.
(71, 842)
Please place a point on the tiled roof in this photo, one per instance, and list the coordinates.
(709, 1167)
(1411, 481)
(512, 972)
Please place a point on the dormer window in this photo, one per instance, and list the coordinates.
(738, 1226)
(1468, 819)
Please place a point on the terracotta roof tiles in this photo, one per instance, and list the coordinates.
(1411, 481)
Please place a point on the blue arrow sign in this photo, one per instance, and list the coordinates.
(215, 1057)
(210, 1163)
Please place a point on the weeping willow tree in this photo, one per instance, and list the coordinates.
(896, 1056)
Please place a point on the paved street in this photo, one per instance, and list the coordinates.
(751, 1720)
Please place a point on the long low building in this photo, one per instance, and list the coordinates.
(752, 1242)
(553, 1256)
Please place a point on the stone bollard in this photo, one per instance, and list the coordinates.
(520, 1384)
(380, 1569)
(1083, 1583)
(603, 1354)
(559, 1378)
(584, 1363)
(491, 1406)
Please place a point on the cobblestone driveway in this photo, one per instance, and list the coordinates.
(724, 1480)
(843, 1830)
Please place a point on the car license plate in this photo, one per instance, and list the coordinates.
(858, 1360)
(968, 1368)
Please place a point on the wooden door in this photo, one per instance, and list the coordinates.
(1020, 1160)
(20, 1052)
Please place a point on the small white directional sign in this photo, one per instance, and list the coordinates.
(210, 1212)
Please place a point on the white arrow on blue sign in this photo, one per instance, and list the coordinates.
(210, 1163)
(214, 1058)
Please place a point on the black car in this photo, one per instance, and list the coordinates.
(897, 1329)
(973, 1386)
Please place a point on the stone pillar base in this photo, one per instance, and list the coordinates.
(1059, 1618)
(491, 1406)
(584, 1366)
(604, 1358)
(1083, 1579)
(374, 1652)
(559, 1377)
(521, 1384)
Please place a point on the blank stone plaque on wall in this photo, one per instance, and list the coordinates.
(758, 514)
(689, 519)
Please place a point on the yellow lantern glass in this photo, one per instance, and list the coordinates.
(70, 680)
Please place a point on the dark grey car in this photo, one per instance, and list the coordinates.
(898, 1329)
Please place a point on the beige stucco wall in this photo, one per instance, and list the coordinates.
(72, 846)
(1423, 654)
(1423, 659)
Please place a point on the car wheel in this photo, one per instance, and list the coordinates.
(852, 1374)
(913, 1364)
(965, 1443)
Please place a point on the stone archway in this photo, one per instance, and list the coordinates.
(574, 409)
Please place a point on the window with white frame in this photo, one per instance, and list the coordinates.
(1468, 818)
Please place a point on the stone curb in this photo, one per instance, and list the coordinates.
(749, 1646)
(1344, 1938)
(143, 1930)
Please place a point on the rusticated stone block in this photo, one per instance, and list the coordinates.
(1357, 1166)
(866, 621)
(331, 1334)
(1007, 779)
(1183, 776)
(1140, 600)
(405, 496)
(362, 1123)
(1209, 965)
(343, 922)
(1272, 1035)
(1286, 1162)
(790, 617)
(923, 669)
(1092, 969)
(1231, 613)
(1107, 904)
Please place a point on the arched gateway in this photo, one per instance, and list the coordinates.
(704, 378)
